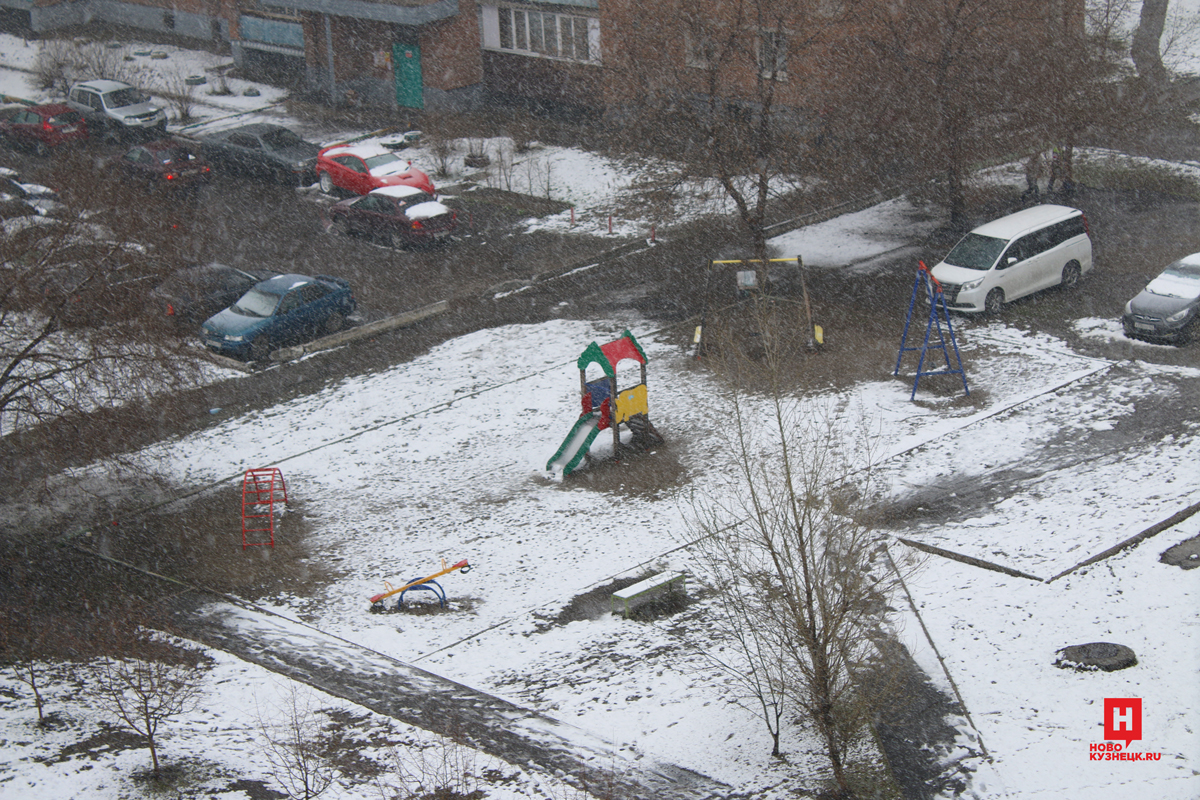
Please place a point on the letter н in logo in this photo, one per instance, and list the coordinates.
(1123, 718)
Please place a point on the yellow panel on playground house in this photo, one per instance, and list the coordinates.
(631, 402)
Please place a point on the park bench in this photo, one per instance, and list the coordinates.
(643, 592)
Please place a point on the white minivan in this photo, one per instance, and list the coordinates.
(1013, 256)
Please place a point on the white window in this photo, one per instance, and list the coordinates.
(543, 33)
(772, 54)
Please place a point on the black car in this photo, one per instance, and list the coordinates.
(1166, 310)
(262, 150)
(195, 293)
(164, 163)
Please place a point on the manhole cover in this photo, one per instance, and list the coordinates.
(1095, 656)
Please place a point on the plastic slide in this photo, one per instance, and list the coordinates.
(576, 445)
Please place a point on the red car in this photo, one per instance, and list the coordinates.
(43, 128)
(360, 168)
(165, 162)
(399, 215)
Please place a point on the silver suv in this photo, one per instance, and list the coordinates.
(114, 109)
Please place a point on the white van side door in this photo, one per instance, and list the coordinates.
(1016, 273)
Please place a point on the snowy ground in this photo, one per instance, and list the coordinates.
(442, 459)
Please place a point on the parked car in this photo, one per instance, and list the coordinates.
(360, 168)
(115, 110)
(43, 128)
(1017, 255)
(283, 310)
(262, 150)
(1166, 310)
(193, 294)
(166, 163)
(44, 200)
(399, 215)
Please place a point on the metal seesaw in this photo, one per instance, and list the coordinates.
(427, 583)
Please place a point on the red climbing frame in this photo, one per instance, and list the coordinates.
(261, 490)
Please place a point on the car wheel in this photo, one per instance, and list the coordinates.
(1070, 275)
(994, 301)
(326, 183)
(398, 241)
(340, 226)
(260, 348)
(40, 149)
(334, 323)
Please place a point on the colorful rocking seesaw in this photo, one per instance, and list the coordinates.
(419, 583)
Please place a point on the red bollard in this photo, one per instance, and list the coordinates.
(610, 223)
(572, 216)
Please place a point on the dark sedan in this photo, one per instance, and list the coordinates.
(399, 215)
(284, 310)
(262, 150)
(195, 293)
(1167, 308)
(165, 163)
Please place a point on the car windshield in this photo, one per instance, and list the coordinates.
(381, 160)
(976, 252)
(256, 303)
(124, 97)
(282, 139)
(1181, 279)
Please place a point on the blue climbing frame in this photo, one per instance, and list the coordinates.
(938, 314)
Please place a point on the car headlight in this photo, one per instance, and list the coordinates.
(1129, 309)
(229, 337)
(1179, 316)
(969, 285)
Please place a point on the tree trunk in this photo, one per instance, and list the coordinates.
(1145, 48)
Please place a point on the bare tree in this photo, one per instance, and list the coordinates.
(1146, 40)
(23, 647)
(733, 92)
(445, 767)
(146, 690)
(297, 749)
(803, 579)
(75, 334)
(943, 84)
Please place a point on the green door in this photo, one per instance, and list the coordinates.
(406, 63)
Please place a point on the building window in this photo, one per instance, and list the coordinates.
(698, 51)
(772, 54)
(545, 33)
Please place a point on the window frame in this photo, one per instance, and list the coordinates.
(522, 30)
(774, 38)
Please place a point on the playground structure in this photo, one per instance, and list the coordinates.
(262, 489)
(605, 406)
(427, 583)
(939, 314)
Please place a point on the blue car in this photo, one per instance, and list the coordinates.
(280, 311)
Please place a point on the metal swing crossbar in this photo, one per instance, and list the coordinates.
(938, 313)
(427, 583)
